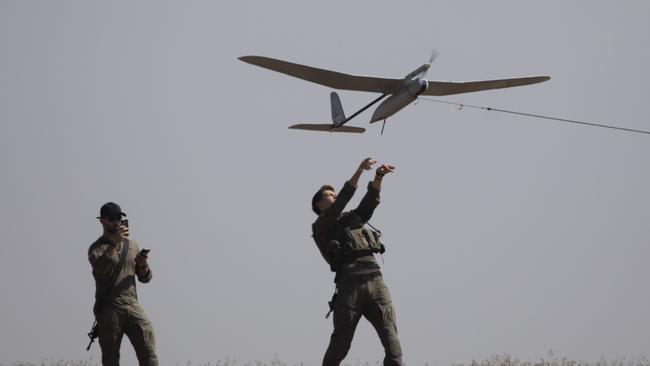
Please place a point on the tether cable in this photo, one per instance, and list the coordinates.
(462, 105)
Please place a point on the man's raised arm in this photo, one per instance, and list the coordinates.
(330, 214)
(371, 200)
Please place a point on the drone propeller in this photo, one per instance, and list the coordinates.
(432, 57)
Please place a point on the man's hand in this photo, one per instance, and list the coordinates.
(121, 234)
(141, 265)
(367, 164)
(385, 169)
(141, 259)
(379, 174)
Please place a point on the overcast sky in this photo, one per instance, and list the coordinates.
(504, 234)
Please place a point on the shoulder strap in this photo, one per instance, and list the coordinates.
(123, 254)
(374, 228)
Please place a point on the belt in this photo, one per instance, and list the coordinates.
(361, 277)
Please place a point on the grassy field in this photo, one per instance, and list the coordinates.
(504, 360)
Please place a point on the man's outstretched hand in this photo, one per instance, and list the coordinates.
(367, 164)
(385, 169)
(379, 174)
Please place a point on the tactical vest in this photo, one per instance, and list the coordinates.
(350, 244)
(349, 240)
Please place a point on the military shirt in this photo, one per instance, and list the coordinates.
(104, 266)
(332, 221)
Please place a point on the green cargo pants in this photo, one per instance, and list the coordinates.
(132, 321)
(365, 295)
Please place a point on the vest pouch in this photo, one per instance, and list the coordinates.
(372, 238)
(363, 239)
(357, 240)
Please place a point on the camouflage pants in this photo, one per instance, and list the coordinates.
(368, 296)
(132, 321)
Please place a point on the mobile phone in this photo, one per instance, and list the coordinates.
(125, 222)
(145, 251)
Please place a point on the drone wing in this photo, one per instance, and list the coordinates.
(332, 79)
(448, 88)
(327, 127)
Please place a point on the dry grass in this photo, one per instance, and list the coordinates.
(553, 360)
(504, 360)
(51, 362)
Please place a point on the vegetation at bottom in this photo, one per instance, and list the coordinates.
(502, 360)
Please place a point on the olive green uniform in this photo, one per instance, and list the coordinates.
(117, 311)
(361, 290)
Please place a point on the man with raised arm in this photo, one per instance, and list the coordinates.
(349, 246)
(116, 261)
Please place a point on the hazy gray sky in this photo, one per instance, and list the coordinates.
(505, 234)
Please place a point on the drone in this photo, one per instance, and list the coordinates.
(397, 93)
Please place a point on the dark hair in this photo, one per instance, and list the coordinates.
(318, 196)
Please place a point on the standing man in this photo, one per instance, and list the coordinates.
(116, 261)
(349, 247)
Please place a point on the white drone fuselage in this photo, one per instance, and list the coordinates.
(405, 96)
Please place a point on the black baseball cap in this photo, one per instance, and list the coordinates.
(110, 210)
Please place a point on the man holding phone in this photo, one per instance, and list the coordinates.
(116, 261)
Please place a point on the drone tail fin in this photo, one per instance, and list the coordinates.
(338, 115)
